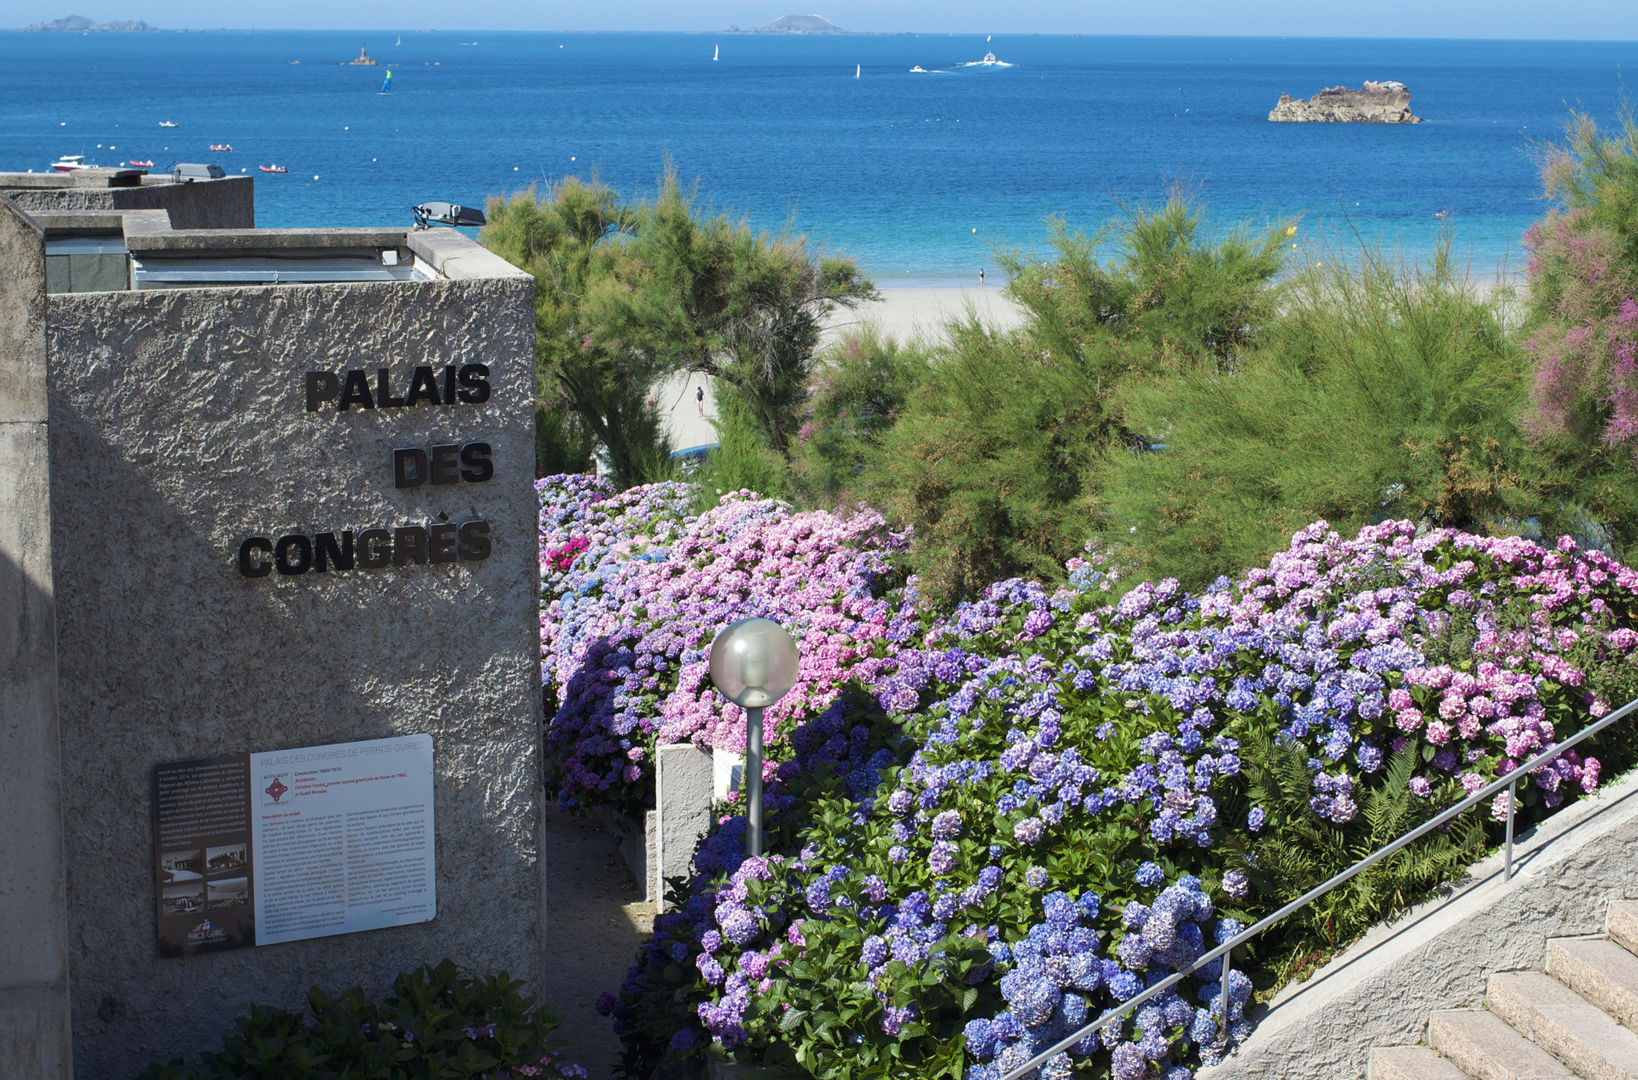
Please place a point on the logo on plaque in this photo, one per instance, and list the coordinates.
(276, 789)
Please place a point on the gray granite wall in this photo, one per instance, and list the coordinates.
(179, 427)
(34, 1010)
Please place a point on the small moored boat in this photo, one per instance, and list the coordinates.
(140, 164)
(71, 163)
(222, 147)
(273, 168)
(167, 123)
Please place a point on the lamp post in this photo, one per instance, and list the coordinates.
(753, 663)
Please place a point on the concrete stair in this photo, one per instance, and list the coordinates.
(1623, 924)
(1577, 1019)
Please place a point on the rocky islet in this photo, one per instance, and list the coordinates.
(1384, 102)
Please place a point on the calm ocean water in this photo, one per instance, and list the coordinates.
(919, 176)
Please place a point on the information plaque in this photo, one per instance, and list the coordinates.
(259, 849)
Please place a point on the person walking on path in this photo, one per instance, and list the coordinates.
(699, 399)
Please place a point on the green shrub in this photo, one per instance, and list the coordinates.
(562, 443)
(741, 459)
(858, 392)
(993, 459)
(1303, 852)
(1168, 298)
(436, 1024)
(1376, 392)
(988, 462)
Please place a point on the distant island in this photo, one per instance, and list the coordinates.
(794, 24)
(1375, 103)
(79, 24)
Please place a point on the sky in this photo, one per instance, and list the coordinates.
(1572, 19)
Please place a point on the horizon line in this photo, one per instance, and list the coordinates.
(44, 28)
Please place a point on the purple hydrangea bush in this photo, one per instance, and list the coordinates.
(633, 590)
(1042, 807)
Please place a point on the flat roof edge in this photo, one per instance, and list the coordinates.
(145, 233)
(458, 257)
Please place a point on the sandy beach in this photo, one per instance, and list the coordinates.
(907, 314)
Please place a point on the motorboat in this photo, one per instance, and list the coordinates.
(222, 147)
(988, 61)
(167, 123)
(274, 168)
(71, 163)
(140, 164)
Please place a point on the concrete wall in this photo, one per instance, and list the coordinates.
(1441, 954)
(34, 1010)
(179, 427)
(228, 203)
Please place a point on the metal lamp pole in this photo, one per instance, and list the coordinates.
(753, 780)
(753, 663)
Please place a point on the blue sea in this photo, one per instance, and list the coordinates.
(920, 176)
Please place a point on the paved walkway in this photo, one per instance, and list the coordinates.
(595, 922)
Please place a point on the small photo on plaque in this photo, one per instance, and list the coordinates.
(182, 866)
(221, 859)
(184, 899)
(227, 893)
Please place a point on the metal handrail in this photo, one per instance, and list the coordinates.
(1510, 781)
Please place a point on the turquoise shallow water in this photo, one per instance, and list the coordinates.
(919, 175)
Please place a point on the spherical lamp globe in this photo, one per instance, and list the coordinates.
(753, 663)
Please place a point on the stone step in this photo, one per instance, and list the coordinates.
(1411, 1063)
(1482, 1045)
(1513, 996)
(1624, 923)
(1566, 1025)
(1601, 971)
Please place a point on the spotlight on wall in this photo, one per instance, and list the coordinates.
(442, 213)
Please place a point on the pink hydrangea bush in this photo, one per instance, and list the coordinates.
(1059, 812)
(634, 591)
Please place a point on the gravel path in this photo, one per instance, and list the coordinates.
(595, 921)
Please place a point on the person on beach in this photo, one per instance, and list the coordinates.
(980, 277)
(699, 399)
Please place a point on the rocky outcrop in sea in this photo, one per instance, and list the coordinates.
(1376, 103)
